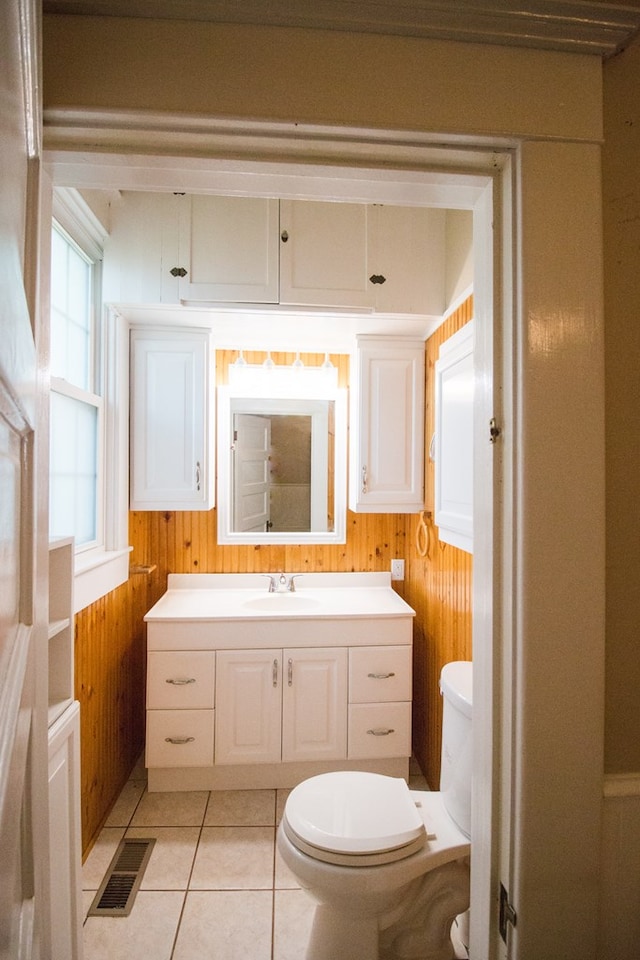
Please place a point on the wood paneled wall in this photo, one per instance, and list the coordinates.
(110, 670)
(438, 587)
(111, 635)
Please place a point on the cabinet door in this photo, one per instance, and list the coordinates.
(229, 249)
(387, 437)
(142, 249)
(407, 259)
(171, 423)
(454, 440)
(248, 706)
(323, 254)
(314, 708)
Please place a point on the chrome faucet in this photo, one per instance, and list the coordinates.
(282, 583)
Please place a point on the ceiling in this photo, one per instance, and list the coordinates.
(580, 26)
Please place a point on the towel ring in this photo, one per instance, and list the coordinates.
(422, 536)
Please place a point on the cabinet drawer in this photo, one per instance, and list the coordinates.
(379, 674)
(179, 738)
(180, 679)
(379, 730)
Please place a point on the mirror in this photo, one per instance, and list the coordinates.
(282, 438)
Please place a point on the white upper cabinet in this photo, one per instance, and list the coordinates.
(406, 267)
(142, 249)
(387, 427)
(172, 454)
(324, 254)
(196, 249)
(228, 249)
(454, 439)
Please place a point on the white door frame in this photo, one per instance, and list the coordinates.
(491, 179)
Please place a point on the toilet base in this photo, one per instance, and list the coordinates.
(420, 929)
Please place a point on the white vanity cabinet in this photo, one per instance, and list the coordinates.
(281, 705)
(171, 420)
(380, 701)
(180, 701)
(387, 436)
(250, 689)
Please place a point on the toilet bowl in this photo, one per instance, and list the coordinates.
(388, 867)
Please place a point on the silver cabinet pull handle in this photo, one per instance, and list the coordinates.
(364, 479)
(275, 673)
(197, 474)
(381, 676)
(381, 733)
(180, 681)
(179, 740)
(290, 672)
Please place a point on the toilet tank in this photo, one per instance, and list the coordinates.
(455, 771)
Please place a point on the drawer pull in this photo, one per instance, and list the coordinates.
(180, 681)
(275, 673)
(381, 676)
(379, 732)
(179, 740)
(290, 672)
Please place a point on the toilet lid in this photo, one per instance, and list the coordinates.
(354, 813)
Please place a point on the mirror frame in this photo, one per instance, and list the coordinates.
(281, 385)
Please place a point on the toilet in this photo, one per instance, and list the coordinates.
(388, 867)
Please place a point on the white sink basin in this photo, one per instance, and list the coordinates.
(281, 601)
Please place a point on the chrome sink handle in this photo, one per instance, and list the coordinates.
(272, 581)
(292, 579)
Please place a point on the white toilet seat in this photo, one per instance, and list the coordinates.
(354, 819)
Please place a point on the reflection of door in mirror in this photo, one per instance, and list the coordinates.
(251, 446)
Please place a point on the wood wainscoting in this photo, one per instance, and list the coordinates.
(438, 587)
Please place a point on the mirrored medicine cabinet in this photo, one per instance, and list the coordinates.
(282, 456)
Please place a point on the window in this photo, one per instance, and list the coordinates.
(88, 408)
(76, 404)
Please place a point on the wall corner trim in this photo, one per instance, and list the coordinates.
(622, 785)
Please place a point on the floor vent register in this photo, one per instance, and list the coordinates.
(122, 880)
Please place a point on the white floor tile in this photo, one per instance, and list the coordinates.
(171, 860)
(234, 808)
(149, 931)
(95, 866)
(126, 804)
(171, 809)
(293, 916)
(225, 925)
(234, 858)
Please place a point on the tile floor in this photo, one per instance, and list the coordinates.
(215, 887)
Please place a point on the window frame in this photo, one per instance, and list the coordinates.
(103, 564)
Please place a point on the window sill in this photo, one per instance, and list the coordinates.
(98, 573)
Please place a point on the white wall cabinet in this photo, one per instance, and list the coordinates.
(454, 439)
(228, 249)
(171, 422)
(172, 249)
(387, 427)
(281, 705)
(324, 254)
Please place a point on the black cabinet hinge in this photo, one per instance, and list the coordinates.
(507, 913)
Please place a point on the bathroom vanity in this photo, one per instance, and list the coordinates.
(252, 684)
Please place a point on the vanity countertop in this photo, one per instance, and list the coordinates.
(245, 596)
